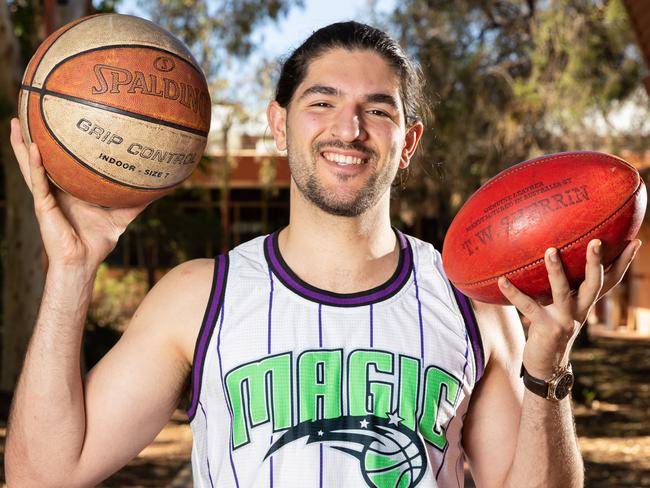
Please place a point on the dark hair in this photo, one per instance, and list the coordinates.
(354, 36)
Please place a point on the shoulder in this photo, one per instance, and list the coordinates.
(182, 287)
(181, 278)
(175, 306)
(501, 331)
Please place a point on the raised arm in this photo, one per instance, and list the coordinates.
(513, 437)
(65, 430)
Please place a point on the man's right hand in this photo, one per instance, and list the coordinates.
(74, 233)
(74, 430)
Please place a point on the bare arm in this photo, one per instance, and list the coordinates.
(513, 437)
(67, 431)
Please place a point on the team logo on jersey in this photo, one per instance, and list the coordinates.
(375, 405)
(390, 455)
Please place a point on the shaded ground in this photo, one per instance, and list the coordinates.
(612, 418)
(614, 423)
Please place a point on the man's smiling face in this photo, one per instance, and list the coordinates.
(345, 131)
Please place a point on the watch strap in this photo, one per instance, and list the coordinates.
(535, 385)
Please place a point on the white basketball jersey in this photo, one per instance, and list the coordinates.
(293, 386)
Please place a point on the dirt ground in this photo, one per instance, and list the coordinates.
(612, 407)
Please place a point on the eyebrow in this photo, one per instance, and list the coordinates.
(383, 98)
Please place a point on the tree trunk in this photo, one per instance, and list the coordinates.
(23, 265)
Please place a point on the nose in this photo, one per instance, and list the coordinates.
(348, 125)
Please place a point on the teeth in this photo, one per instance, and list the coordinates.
(342, 160)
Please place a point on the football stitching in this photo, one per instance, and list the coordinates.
(566, 246)
(542, 159)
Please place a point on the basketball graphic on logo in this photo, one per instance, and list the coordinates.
(391, 465)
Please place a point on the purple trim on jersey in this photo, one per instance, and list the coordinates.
(207, 459)
(320, 325)
(320, 484)
(382, 292)
(268, 348)
(207, 327)
(271, 465)
(473, 330)
(417, 296)
(460, 388)
(225, 396)
(268, 351)
(372, 331)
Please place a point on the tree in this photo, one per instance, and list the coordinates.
(216, 30)
(508, 80)
(22, 251)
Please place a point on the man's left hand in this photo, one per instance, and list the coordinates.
(554, 327)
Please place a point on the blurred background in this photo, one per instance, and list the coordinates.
(507, 80)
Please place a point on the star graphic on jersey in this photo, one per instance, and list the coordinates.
(364, 424)
(394, 418)
(320, 433)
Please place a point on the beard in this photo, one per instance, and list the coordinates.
(303, 172)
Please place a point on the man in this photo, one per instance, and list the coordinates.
(332, 353)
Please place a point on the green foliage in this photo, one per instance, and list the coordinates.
(105, 6)
(508, 80)
(176, 228)
(116, 295)
(216, 30)
(26, 18)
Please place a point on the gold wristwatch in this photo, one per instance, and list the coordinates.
(555, 388)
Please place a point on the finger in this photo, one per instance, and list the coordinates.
(20, 150)
(40, 183)
(560, 288)
(532, 310)
(593, 283)
(619, 267)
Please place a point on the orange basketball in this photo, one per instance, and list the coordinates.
(118, 107)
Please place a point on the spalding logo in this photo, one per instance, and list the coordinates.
(113, 79)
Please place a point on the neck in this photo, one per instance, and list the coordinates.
(339, 254)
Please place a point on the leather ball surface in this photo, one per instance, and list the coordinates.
(559, 200)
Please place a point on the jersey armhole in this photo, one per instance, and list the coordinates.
(471, 325)
(212, 311)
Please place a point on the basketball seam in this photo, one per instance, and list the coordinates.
(120, 107)
(71, 25)
(98, 173)
(196, 68)
(532, 264)
(118, 110)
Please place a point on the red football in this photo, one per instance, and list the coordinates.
(559, 200)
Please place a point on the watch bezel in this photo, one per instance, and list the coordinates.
(555, 384)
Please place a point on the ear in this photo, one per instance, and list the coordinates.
(411, 140)
(277, 119)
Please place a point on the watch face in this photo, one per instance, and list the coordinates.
(563, 386)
